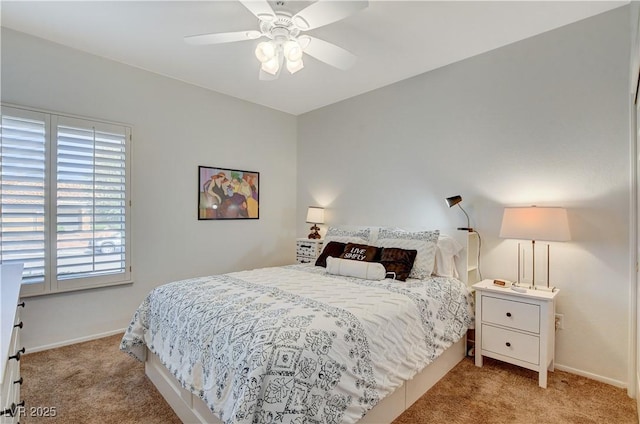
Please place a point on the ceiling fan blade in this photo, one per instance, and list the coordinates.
(328, 53)
(323, 13)
(222, 37)
(260, 8)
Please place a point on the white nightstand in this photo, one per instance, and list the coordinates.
(514, 327)
(308, 250)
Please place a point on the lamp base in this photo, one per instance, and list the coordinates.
(314, 235)
(544, 288)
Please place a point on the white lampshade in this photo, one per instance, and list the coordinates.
(292, 51)
(271, 66)
(315, 215)
(535, 223)
(265, 51)
(294, 66)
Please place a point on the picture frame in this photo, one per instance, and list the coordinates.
(225, 193)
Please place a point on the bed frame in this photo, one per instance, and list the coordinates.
(191, 409)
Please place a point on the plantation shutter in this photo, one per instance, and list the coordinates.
(90, 201)
(23, 199)
(64, 200)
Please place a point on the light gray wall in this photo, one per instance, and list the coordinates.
(176, 127)
(543, 121)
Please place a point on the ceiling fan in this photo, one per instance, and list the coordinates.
(284, 30)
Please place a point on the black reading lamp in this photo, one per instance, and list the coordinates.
(455, 200)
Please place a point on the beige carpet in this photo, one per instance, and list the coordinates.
(94, 382)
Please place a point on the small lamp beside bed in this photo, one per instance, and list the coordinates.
(456, 200)
(315, 216)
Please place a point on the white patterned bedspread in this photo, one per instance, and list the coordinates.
(294, 344)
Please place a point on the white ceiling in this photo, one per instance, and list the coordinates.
(393, 40)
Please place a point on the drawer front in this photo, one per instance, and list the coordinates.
(305, 260)
(311, 249)
(11, 390)
(524, 347)
(511, 313)
(10, 393)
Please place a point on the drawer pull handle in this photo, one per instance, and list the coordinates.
(19, 381)
(21, 304)
(19, 325)
(508, 344)
(17, 355)
(509, 314)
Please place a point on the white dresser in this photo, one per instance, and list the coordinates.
(11, 406)
(308, 250)
(515, 327)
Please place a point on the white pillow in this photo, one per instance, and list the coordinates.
(347, 235)
(423, 241)
(447, 250)
(358, 269)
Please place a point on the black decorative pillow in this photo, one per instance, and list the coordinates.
(333, 249)
(398, 261)
(360, 252)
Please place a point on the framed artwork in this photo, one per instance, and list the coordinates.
(228, 193)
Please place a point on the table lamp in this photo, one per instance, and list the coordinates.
(535, 223)
(315, 215)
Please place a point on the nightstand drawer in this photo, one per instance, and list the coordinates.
(512, 314)
(523, 347)
(308, 248)
(305, 260)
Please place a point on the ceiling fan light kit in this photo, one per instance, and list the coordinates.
(269, 54)
(285, 42)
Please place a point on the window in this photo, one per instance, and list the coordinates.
(64, 199)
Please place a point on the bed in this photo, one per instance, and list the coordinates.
(305, 343)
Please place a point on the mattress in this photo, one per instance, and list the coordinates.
(294, 344)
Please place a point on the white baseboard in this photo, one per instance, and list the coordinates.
(73, 341)
(611, 381)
